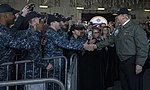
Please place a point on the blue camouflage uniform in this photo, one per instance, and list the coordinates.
(34, 54)
(63, 33)
(55, 43)
(9, 41)
(54, 47)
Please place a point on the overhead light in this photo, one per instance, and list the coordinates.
(100, 8)
(80, 8)
(114, 14)
(129, 9)
(147, 10)
(43, 6)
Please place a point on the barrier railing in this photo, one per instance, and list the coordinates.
(32, 81)
(72, 73)
(61, 66)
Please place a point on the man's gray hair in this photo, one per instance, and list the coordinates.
(127, 16)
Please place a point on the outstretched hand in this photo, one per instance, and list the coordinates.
(89, 47)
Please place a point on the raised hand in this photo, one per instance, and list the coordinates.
(38, 24)
(25, 10)
(91, 41)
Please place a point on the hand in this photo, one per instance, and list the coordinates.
(138, 69)
(44, 19)
(39, 26)
(89, 47)
(92, 41)
(49, 67)
(25, 10)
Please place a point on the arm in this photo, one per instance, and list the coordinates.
(61, 41)
(21, 42)
(142, 46)
(104, 43)
(18, 23)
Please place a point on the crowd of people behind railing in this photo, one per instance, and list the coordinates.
(33, 36)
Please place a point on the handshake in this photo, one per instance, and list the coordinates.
(90, 47)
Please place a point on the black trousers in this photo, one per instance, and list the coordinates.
(129, 79)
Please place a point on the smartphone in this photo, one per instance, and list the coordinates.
(31, 7)
(89, 34)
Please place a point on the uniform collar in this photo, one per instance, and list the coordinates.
(3, 26)
(125, 22)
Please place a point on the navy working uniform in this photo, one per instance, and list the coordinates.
(9, 41)
(55, 43)
(34, 53)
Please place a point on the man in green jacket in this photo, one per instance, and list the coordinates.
(131, 47)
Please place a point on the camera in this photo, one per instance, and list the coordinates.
(31, 7)
(69, 18)
(90, 34)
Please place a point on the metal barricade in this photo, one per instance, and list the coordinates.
(32, 81)
(72, 73)
(59, 61)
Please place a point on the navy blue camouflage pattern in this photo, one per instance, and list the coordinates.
(10, 40)
(54, 47)
(55, 43)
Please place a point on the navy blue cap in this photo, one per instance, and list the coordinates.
(42, 16)
(15, 11)
(77, 27)
(31, 15)
(7, 8)
(122, 11)
(52, 18)
(62, 18)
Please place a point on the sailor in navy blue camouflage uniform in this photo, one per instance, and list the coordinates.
(75, 33)
(35, 53)
(55, 43)
(9, 39)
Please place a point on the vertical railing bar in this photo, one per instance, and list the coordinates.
(7, 87)
(40, 72)
(60, 69)
(33, 70)
(55, 69)
(16, 75)
(66, 71)
(7, 78)
(25, 69)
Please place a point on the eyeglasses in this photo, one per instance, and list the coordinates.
(96, 32)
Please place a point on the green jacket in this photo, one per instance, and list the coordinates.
(130, 41)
